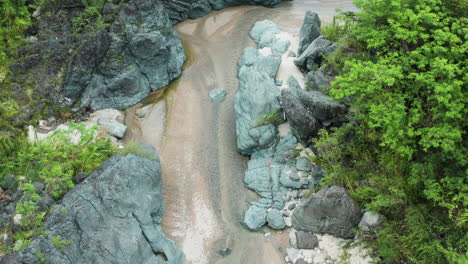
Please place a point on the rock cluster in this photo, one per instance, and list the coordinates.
(113, 216)
(115, 63)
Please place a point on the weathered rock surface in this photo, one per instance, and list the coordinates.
(330, 211)
(313, 54)
(310, 30)
(307, 112)
(275, 220)
(111, 64)
(257, 93)
(306, 240)
(113, 216)
(320, 79)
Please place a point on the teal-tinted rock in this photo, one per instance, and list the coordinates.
(264, 27)
(217, 95)
(283, 152)
(293, 83)
(303, 164)
(279, 82)
(113, 216)
(268, 65)
(255, 217)
(249, 56)
(256, 96)
(286, 180)
(257, 177)
(275, 220)
(280, 47)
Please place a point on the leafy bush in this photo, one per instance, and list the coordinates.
(404, 155)
(274, 117)
(54, 162)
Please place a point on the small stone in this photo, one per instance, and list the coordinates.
(292, 238)
(293, 253)
(218, 95)
(370, 221)
(301, 261)
(17, 219)
(225, 251)
(291, 54)
(306, 240)
(38, 186)
(291, 206)
(279, 82)
(79, 177)
(113, 127)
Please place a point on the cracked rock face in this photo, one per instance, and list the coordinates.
(114, 65)
(113, 216)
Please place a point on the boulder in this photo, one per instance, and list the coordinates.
(303, 164)
(308, 111)
(112, 67)
(310, 30)
(113, 127)
(113, 216)
(256, 96)
(306, 240)
(313, 55)
(217, 95)
(370, 221)
(330, 211)
(275, 220)
(263, 32)
(320, 80)
(255, 217)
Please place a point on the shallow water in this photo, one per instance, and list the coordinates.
(204, 193)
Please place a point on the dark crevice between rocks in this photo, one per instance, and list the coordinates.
(157, 253)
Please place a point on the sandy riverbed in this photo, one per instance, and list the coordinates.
(204, 193)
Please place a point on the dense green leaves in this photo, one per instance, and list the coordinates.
(405, 153)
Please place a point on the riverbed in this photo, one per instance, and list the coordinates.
(204, 193)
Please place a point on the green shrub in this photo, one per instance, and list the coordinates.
(274, 117)
(53, 161)
(135, 149)
(404, 154)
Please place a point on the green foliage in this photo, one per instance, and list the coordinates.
(91, 19)
(404, 155)
(135, 149)
(59, 243)
(274, 117)
(14, 20)
(54, 162)
(340, 27)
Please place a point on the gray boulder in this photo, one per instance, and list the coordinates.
(275, 220)
(307, 112)
(330, 211)
(306, 240)
(217, 95)
(310, 30)
(313, 55)
(320, 79)
(263, 32)
(113, 127)
(113, 216)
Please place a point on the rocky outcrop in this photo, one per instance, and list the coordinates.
(107, 57)
(330, 211)
(113, 216)
(314, 54)
(180, 10)
(310, 30)
(307, 112)
(257, 93)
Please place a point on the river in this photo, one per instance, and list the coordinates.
(204, 193)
